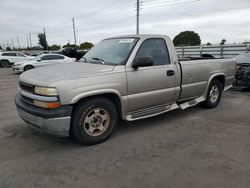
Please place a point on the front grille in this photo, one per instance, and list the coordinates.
(26, 87)
(247, 74)
(27, 100)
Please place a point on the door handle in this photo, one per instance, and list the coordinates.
(170, 73)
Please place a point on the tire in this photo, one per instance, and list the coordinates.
(214, 94)
(5, 63)
(28, 67)
(94, 121)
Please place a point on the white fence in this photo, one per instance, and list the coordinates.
(223, 51)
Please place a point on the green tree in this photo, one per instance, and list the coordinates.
(8, 48)
(36, 48)
(1, 47)
(54, 47)
(86, 46)
(42, 40)
(187, 38)
(223, 41)
(70, 45)
(208, 44)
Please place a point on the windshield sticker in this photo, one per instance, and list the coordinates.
(126, 40)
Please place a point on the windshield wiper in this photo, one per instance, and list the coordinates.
(85, 60)
(98, 59)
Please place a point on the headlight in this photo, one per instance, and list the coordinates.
(47, 91)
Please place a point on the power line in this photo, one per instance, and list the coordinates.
(199, 12)
(168, 3)
(101, 13)
(104, 22)
(111, 23)
(103, 16)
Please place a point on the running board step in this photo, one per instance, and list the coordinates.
(156, 110)
(191, 103)
(150, 112)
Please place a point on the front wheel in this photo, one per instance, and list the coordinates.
(5, 63)
(94, 120)
(28, 67)
(214, 94)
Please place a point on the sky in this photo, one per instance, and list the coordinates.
(95, 20)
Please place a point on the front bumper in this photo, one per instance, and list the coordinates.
(17, 69)
(242, 82)
(52, 121)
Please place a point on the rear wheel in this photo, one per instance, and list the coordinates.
(28, 67)
(214, 94)
(5, 63)
(94, 120)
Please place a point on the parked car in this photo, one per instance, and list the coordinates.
(40, 53)
(129, 77)
(39, 61)
(9, 58)
(72, 52)
(242, 75)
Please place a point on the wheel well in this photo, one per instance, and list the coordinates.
(110, 96)
(28, 65)
(4, 60)
(221, 78)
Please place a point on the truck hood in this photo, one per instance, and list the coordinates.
(45, 76)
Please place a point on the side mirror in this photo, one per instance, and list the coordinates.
(38, 60)
(142, 62)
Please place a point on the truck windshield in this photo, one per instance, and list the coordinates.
(110, 51)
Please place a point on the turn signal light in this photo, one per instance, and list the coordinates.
(49, 105)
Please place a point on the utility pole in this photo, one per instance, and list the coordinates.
(30, 40)
(74, 29)
(27, 42)
(12, 44)
(137, 16)
(77, 35)
(45, 37)
(18, 42)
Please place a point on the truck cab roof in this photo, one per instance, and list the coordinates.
(141, 36)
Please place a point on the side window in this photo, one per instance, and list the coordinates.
(46, 57)
(51, 57)
(156, 49)
(20, 55)
(9, 54)
(55, 57)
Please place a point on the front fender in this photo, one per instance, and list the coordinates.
(95, 92)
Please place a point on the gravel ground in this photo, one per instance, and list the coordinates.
(191, 148)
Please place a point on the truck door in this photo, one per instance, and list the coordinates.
(154, 85)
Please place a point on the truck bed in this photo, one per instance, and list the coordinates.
(196, 74)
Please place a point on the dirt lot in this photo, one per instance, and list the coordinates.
(192, 148)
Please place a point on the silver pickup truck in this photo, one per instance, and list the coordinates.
(128, 78)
